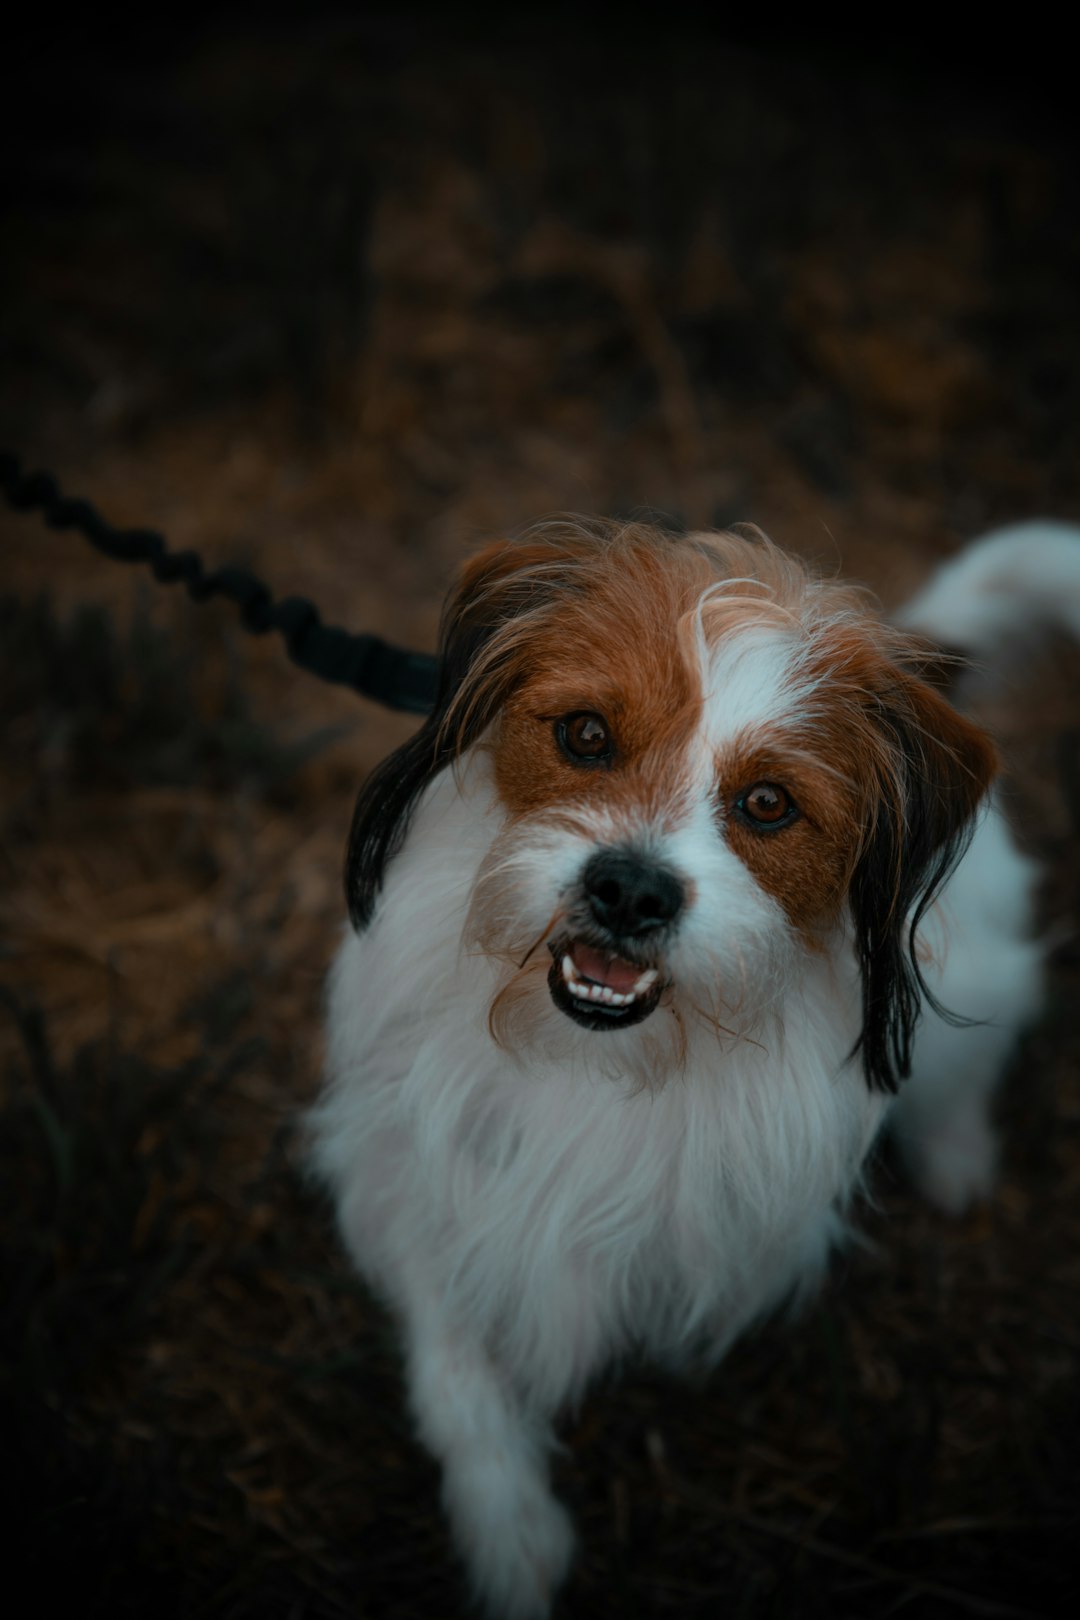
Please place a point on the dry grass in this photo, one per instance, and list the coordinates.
(339, 305)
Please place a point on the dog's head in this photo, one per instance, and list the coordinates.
(708, 761)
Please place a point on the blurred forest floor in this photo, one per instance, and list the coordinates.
(340, 302)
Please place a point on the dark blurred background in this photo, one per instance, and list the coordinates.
(338, 298)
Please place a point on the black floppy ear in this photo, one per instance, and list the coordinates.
(935, 769)
(481, 601)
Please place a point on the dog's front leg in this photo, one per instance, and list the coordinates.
(514, 1536)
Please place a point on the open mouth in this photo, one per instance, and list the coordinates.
(600, 989)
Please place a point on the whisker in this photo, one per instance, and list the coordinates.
(720, 1028)
(540, 938)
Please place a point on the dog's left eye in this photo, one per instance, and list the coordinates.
(584, 738)
(767, 805)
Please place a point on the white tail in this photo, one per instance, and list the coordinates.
(1001, 591)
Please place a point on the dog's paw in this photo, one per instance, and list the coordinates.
(516, 1539)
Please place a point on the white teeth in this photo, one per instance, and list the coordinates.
(603, 992)
(598, 992)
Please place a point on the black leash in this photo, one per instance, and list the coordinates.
(393, 676)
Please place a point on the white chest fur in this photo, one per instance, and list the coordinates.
(567, 1212)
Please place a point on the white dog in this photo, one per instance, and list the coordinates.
(644, 918)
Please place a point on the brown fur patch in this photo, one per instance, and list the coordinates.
(805, 865)
(601, 617)
(599, 627)
(877, 732)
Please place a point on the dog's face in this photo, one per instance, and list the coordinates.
(708, 762)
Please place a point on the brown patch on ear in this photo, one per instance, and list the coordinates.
(502, 589)
(955, 752)
(932, 773)
(943, 669)
(483, 632)
(500, 580)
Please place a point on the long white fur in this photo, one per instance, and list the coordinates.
(533, 1214)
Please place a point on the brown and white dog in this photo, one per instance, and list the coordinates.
(650, 934)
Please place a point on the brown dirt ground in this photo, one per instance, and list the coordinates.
(339, 302)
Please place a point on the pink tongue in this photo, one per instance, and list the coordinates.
(618, 975)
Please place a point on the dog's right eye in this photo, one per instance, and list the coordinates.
(584, 738)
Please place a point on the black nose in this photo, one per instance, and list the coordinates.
(630, 895)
